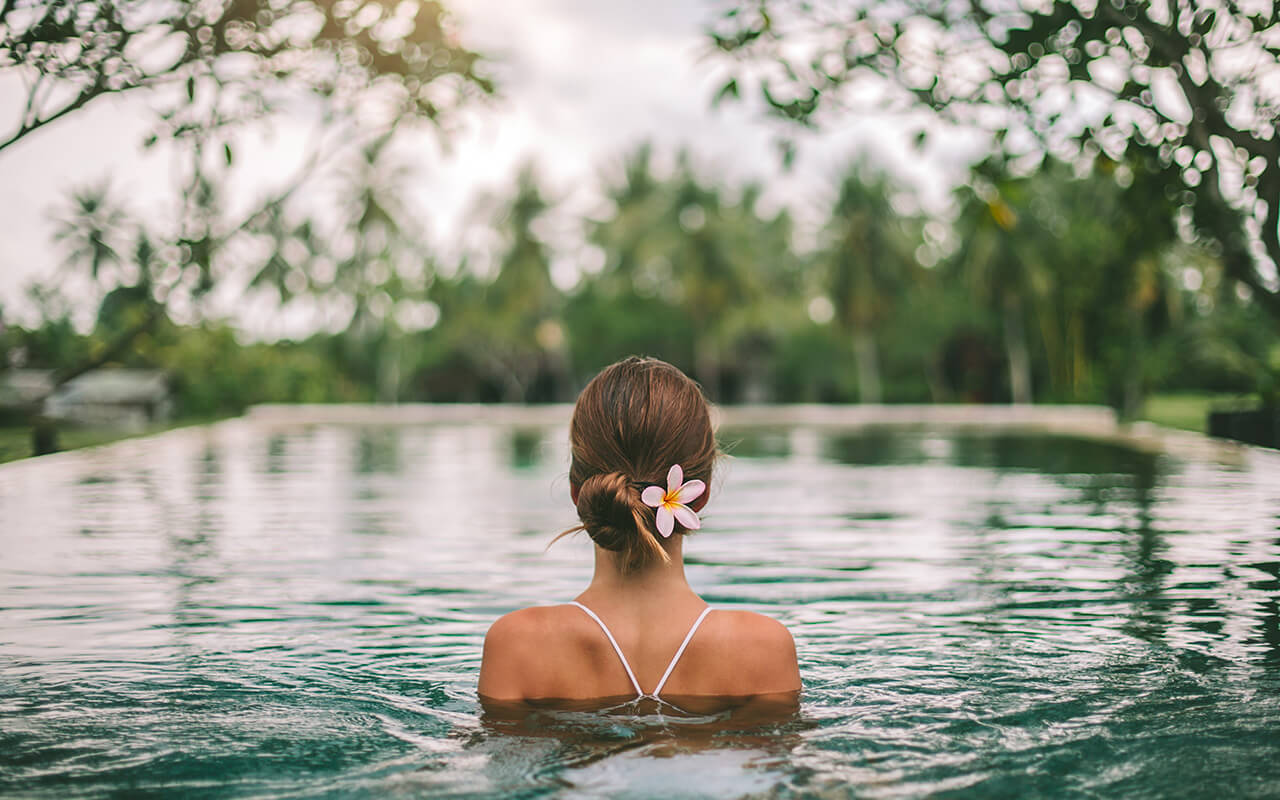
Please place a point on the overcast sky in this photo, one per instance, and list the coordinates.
(583, 82)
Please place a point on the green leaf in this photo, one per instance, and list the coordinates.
(730, 89)
(226, 152)
(787, 149)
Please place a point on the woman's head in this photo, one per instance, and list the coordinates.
(631, 423)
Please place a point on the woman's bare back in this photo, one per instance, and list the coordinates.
(560, 652)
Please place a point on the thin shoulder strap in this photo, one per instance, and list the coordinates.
(634, 683)
(676, 658)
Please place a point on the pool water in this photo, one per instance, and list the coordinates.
(255, 611)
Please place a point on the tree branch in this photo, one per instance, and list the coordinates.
(112, 350)
(25, 128)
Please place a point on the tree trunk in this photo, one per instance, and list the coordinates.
(868, 366)
(707, 367)
(388, 371)
(44, 436)
(1132, 397)
(1015, 342)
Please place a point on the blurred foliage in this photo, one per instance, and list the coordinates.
(868, 261)
(1069, 265)
(1091, 258)
(716, 276)
(1067, 284)
(506, 327)
(15, 442)
(402, 57)
(1189, 410)
(215, 74)
(1188, 92)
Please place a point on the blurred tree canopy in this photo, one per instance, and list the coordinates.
(1097, 255)
(869, 262)
(1187, 91)
(723, 272)
(1069, 284)
(402, 57)
(506, 325)
(214, 73)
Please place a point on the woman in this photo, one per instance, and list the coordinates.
(643, 451)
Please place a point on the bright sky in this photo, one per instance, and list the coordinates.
(583, 82)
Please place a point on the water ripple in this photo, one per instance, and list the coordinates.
(246, 612)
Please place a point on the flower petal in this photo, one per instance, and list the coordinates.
(666, 522)
(675, 477)
(652, 496)
(691, 491)
(685, 516)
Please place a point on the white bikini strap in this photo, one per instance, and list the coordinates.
(635, 683)
(680, 652)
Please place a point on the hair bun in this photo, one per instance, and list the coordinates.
(631, 423)
(607, 506)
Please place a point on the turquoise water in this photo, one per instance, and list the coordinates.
(248, 611)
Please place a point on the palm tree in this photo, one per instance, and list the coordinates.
(508, 326)
(93, 228)
(1112, 296)
(998, 264)
(373, 256)
(638, 229)
(703, 253)
(868, 261)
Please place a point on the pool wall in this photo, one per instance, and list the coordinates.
(1097, 422)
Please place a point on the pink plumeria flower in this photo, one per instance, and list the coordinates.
(671, 503)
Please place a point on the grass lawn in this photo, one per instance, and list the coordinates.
(1188, 411)
(15, 441)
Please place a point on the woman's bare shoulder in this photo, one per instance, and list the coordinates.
(518, 625)
(767, 661)
(749, 623)
(515, 644)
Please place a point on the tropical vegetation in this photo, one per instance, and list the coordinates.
(1094, 258)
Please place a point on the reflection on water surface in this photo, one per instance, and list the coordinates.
(245, 611)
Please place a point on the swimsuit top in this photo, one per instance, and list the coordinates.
(640, 695)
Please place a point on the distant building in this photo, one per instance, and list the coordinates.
(19, 388)
(114, 398)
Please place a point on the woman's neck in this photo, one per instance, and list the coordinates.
(654, 583)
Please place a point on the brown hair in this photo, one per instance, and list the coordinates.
(630, 424)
